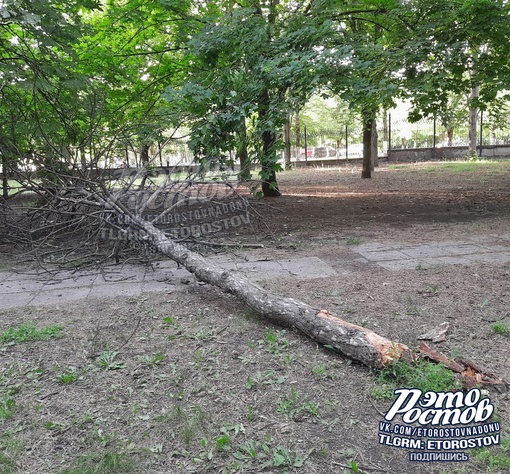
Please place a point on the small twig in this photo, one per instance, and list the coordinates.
(221, 330)
(131, 335)
(48, 395)
(375, 408)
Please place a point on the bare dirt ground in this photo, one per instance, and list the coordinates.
(195, 382)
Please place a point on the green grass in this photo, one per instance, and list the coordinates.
(426, 376)
(465, 166)
(28, 332)
(7, 405)
(107, 360)
(496, 459)
(320, 371)
(383, 393)
(10, 450)
(501, 328)
(13, 187)
(69, 376)
(353, 241)
(275, 342)
(101, 463)
(294, 405)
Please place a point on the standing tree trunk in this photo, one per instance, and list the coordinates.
(144, 154)
(286, 139)
(5, 177)
(268, 160)
(473, 120)
(242, 152)
(374, 146)
(449, 132)
(368, 120)
(269, 183)
(298, 135)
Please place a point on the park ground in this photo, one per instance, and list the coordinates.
(188, 380)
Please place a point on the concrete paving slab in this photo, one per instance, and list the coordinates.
(115, 289)
(5, 275)
(308, 268)
(119, 278)
(152, 286)
(228, 265)
(262, 270)
(496, 247)
(375, 247)
(480, 239)
(164, 275)
(397, 265)
(426, 251)
(386, 255)
(70, 282)
(466, 249)
(57, 296)
(166, 264)
(15, 300)
(505, 236)
(21, 285)
(227, 259)
(423, 263)
(458, 260)
(494, 257)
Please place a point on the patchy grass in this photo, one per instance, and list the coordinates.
(107, 462)
(462, 166)
(353, 241)
(7, 405)
(28, 332)
(501, 328)
(10, 451)
(426, 376)
(498, 460)
(468, 166)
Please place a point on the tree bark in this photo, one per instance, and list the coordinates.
(286, 139)
(353, 341)
(269, 183)
(5, 177)
(373, 146)
(449, 132)
(368, 119)
(298, 136)
(473, 120)
(245, 172)
(144, 155)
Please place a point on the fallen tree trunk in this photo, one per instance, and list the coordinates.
(353, 341)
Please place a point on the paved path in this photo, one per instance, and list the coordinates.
(30, 289)
(42, 288)
(476, 249)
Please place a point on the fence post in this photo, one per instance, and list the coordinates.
(481, 133)
(5, 178)
(434, 133)
(306, 146)
(389, 136)
(346, 142)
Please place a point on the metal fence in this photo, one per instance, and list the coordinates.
(344, 142)
(347, 141)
